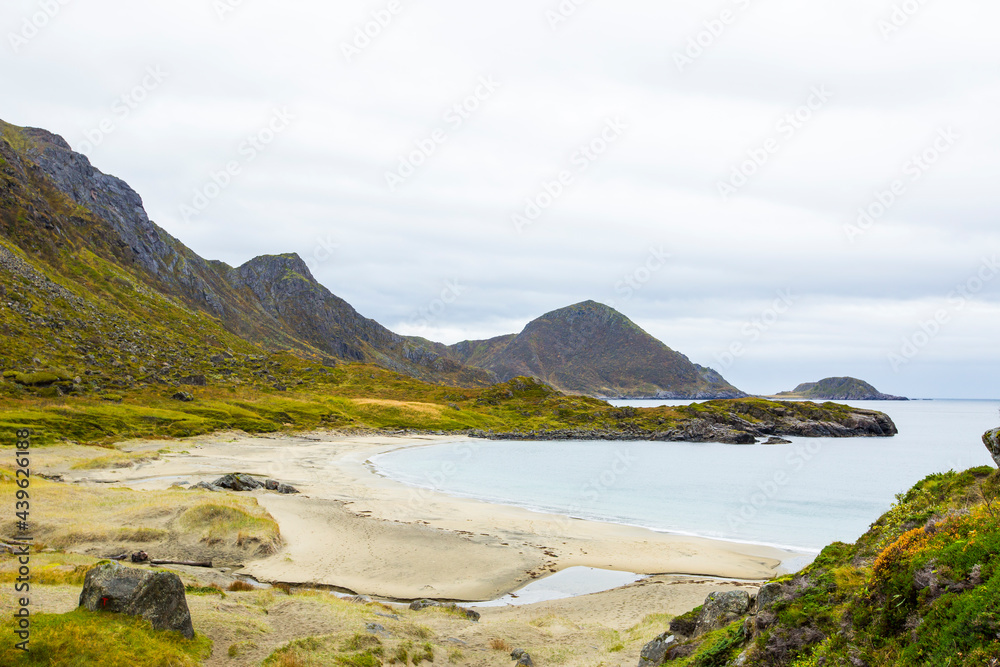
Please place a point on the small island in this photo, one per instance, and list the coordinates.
(839, 389)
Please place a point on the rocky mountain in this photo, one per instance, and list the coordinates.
(100, 283)
(68, 229)
(592, 349)
(839, 389)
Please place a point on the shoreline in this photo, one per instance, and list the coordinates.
(353, 529)
(796, 550)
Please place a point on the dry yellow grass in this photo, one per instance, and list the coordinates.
(500, 645)
(71, 516)
(116, 460)
(427, 409)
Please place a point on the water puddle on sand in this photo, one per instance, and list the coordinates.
(568, 583)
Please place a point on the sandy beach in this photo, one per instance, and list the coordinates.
(356, 531)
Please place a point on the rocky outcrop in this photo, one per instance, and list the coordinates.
(731, 422)
(696, 432)
(238, 481)
(242, 482)
(157, 597)
(992, 441)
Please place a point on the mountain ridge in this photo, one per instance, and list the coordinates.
(83, 228)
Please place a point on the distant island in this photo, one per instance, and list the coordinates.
(839, 389)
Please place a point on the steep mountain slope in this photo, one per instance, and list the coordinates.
(839, 389)
(592, 349)
(67, 222)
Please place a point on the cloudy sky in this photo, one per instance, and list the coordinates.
(781, 190)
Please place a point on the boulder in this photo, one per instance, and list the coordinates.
(157, 597)
(183, 396)
(655, 651)
(238, 481)
(275, 485)
(775, 440)
(721, 609)
(376, 629)
(521, 657)
(992, 441)
(418, 605)
(470, 614)
(767, 596)
(205, 485)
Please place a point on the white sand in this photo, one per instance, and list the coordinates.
(355, 530)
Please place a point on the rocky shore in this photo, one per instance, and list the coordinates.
(730, 428)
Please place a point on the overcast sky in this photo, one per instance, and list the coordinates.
(454, 169)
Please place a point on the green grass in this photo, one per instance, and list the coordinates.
(82, 639)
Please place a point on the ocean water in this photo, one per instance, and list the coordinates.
(801, 496)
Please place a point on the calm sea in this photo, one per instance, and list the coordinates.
(803, 495)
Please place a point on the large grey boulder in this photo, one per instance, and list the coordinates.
(655, 651)
(721, 609)
(157, 597)
(522, 658)
(238, 481)
(992, 441)
(768, 595)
